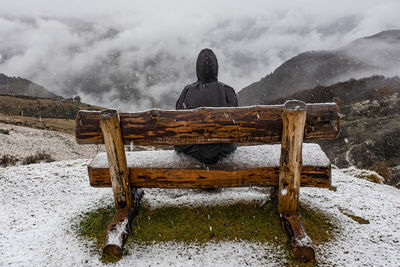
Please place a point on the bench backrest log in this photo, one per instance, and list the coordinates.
(255, 124)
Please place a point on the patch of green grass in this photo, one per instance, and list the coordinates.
(94, 224)
(40, 156)
(4, 131)
(109, 258)
(241, 221)
(355, 218)
(318, 225)
(7, 160)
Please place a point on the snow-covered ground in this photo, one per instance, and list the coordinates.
(22, 142)
(40, 204)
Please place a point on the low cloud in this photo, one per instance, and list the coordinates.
(136, 55)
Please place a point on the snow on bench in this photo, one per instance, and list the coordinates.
(246, 166)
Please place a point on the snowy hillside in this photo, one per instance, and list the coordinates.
(20, 142)
(41, 204)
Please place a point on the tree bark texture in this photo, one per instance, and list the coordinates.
(256, 124)
(293, 121)
(119, 229)
(302, 247)
(311, 176)
(117, 233)
(118, 169)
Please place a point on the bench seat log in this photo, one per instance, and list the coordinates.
(209, 125)
(247, 166)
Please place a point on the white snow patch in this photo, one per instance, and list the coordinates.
(115, 235)
(305, 241)
(373, 244)
(284, 191)
(23, 141)
(158, 197)
(244, 157)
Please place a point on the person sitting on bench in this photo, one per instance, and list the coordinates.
(207, 92)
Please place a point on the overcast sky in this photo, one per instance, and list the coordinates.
(157, 42)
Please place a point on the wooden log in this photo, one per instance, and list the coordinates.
(119, 229)
(111, 130)
(293, 121)
(302, 248)
(117, 233)
(311, 176)
(210, 125)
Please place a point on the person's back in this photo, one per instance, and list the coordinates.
(207, 92)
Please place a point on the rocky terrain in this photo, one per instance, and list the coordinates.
(370, 126)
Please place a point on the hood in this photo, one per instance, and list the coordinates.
(207, 66)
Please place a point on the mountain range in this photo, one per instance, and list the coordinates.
(21, 86)
(376, 54)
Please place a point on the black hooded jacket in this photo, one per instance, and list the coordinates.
(207, 92)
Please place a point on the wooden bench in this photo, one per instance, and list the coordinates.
(285, 166)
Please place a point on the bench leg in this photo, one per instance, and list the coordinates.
(119, 229)
(117, 232)
(301, 246)
(293, 122)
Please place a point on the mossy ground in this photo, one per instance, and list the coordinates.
(241, 221)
